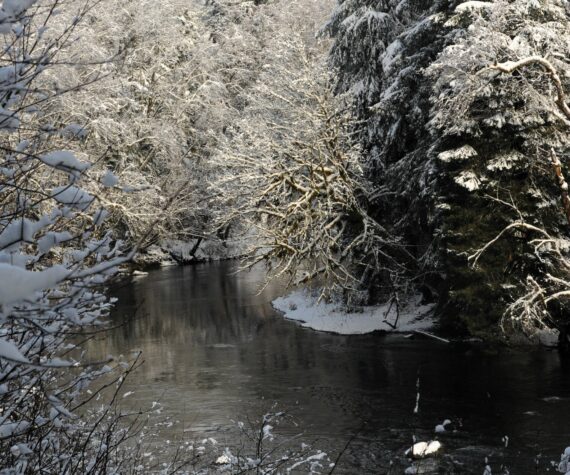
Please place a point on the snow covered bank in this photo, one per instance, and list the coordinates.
(206, 250)
(304, 308)
(172, 252)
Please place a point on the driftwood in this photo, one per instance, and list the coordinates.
(431, 335)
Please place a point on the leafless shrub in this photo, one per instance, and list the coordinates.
(292, 175)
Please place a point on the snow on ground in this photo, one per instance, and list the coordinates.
(303, 307)
(208, 250)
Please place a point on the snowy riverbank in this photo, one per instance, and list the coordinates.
(173, 252)
(303, 307)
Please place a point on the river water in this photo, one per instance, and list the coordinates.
(217, 353)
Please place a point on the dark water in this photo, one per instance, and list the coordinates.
(215, 352)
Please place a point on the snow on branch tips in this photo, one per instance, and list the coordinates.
(55, 255)
(301, 191)
(509, 67)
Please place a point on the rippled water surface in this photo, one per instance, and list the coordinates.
(216, 352)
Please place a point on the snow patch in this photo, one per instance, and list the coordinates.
(11, 352)
(564, 465)
(20, 284)
(109, 179)
(72, 196)
(74, 131)
(66, 161)
(468, 180)
(304, 308)
(472, 6)
(505, 161)
(424, 449)
(441, 428)
(461, 154)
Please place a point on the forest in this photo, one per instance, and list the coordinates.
(367, 169)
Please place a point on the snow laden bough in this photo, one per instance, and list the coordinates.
(55, 256)
(460, 104)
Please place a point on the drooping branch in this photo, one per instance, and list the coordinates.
(474, 258)
(509, 67)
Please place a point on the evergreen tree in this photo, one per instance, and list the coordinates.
(459, 150)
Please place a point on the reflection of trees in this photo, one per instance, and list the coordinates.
(213, 349)
(205, 333)
(192, 305)
(180, 311)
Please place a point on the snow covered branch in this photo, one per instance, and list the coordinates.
(510, 67)
(540, 305)
(561, 183)
(294, 180)
(56, 255)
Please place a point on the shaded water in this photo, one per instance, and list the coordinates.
(216, 352)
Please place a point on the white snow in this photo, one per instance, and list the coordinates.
(20, 230)
(20, 284)
(10, 429)
(473, 6)
(8, 120)
(72, 196)
(304, 308)
(267, 434)
(66, 161)
(564, 465)
(391, 55)
(16, 7)
(11, 352)
(20, 449)
(440, 428)
(99, 216)
(505, 161)
(109, 179)
(460, 154)
(312, 458)
(52, 239)
(74, 131)
(367, 18)
(223, 460)
(468, 180)
(423, 449)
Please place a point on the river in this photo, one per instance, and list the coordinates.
(216, 353)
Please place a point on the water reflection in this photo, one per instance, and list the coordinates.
(215, 351)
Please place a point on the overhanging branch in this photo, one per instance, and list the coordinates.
(509, 67)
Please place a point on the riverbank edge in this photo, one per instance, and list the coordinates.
(177, 252)
(303, 307)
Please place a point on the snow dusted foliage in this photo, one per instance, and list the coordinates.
(55, 256)
(174, 73)
(379, 53)
(459, 148)
(514, 123)
(292, 176)
(145, 111)
(177, 78)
